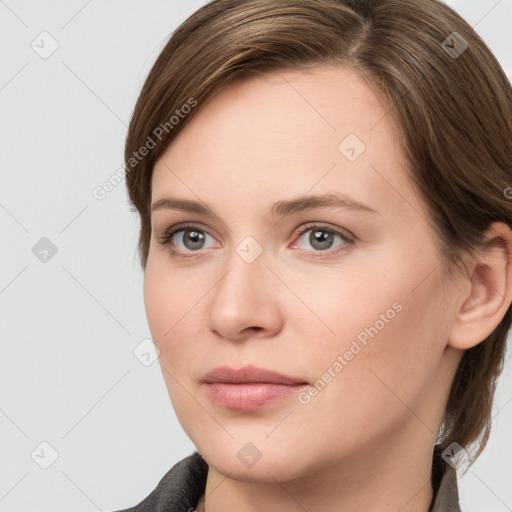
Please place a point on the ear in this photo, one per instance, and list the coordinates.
(490, 280)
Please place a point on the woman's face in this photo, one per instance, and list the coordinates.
(348, 300)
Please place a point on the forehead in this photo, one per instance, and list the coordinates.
(286, 133)
(288, 107)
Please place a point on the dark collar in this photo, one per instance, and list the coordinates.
(446, 496)
(183, 485)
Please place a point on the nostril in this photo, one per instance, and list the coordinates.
(256, 329)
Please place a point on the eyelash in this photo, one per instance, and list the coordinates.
(348, 239)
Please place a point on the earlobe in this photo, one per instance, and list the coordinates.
(490, 294)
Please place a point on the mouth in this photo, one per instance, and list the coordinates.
(249, 387)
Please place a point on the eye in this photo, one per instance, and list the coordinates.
(188, 238)
(322, 238)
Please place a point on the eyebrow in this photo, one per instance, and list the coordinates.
(279, 209)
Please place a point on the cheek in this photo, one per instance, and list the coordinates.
(387, 341)
(158, 304)
(169, 297)
(167, 302)
(174, 303)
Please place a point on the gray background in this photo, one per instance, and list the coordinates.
(70, 325)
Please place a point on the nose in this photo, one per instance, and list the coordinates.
(245, 301)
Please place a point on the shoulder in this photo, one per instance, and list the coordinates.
(180, 488)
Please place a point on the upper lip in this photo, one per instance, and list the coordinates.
(249, 374)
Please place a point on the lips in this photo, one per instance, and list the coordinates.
(249, 387)
(249, 374)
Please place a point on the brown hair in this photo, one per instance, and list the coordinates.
(453, 113)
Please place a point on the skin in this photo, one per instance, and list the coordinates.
(364, 442)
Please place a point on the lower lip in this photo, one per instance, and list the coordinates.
(250, 396)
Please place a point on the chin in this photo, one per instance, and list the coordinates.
(256, 461)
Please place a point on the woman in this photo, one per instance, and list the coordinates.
(325, 234)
